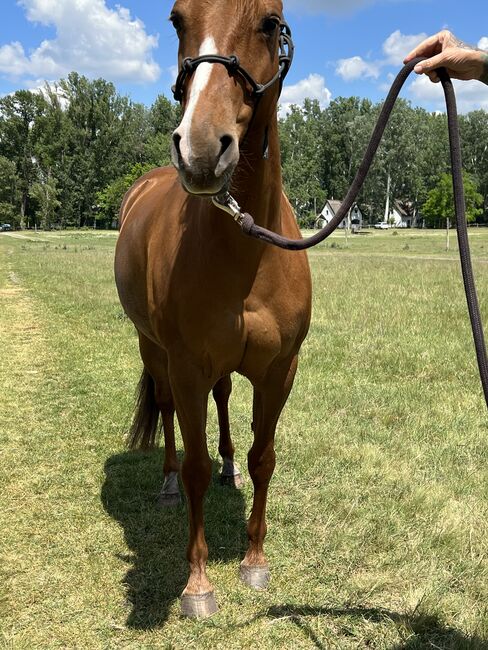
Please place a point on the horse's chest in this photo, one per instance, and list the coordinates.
(227, 321)
(224, 338)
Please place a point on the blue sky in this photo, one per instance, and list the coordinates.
(351, 47)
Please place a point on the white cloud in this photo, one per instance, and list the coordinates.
(398, 45)
(90, 38)
(483, 43)
(356, 67)
(395, 48)
(13, 59)
(313, 87)
(471, 95)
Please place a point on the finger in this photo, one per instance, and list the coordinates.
(434, 77)
(431, 64)
(430, 46)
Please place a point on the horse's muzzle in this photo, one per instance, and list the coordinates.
(205, 169)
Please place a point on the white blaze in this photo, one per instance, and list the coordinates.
(201, 78)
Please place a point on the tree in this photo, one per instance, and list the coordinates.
(301, 151)
(164, 115)
(9, 192)
(103, 139)
(110, 198)
(45, 192)
(164, 118)
(474, 139)
(439, 205)
(19, 114)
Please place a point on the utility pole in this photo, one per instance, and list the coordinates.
(387, 204)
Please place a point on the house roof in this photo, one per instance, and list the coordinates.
(335, 205)
(397, 205)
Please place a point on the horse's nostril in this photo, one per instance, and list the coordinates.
(226, 141)
(176, 142)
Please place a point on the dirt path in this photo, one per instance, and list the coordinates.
(18, 235)
(24, 354)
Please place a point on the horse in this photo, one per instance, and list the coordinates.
(206, 300)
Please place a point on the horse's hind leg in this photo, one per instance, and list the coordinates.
(230, 474)
(170, 493)
(156, 362)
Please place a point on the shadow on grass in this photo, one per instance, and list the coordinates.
(418, 629)
(157, 537)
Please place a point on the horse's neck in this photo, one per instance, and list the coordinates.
(257, 184)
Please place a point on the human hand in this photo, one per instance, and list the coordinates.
(444, 50)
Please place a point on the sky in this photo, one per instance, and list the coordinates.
(350, 47)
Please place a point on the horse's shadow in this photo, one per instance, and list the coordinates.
(420, 630)
(157, 536)
(157, 575)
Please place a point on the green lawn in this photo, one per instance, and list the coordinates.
(378, 510)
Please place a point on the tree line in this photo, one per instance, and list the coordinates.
(69, 153)
(65, 151)
(323, 148)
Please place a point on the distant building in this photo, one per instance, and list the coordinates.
(400, 217)
(330, 210)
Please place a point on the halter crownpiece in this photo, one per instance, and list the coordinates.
(286, 52)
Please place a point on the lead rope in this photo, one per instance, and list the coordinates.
(245, 220)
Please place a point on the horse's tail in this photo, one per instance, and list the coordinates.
(145, 429)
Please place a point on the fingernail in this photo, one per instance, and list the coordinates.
(418, 68)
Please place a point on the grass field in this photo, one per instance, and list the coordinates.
(378, 510)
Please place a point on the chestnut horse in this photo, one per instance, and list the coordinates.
(205, 299)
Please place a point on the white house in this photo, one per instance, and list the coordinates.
(400, 218)
(330, 210)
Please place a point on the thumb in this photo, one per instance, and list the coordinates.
(431, 64)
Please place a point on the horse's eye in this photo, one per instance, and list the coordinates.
(270, 25)
(177, 21)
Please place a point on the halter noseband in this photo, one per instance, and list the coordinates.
(232, 64)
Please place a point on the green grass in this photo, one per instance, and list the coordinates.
(378, 510)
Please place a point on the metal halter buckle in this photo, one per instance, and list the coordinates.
(228, 204)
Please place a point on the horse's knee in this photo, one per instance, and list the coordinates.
(261, 464)
(196, 473)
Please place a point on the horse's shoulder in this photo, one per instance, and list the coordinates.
(160, 178)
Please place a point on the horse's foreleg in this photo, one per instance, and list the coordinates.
(269, 399)
(230, 474)
(190, 393)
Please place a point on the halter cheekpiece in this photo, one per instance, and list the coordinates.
(286, 51)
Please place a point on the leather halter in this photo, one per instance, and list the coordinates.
(286, 51)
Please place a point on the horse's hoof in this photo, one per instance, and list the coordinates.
(257, 577)
(234, 480)
(170, 494)
(199, 605)
(169, 500)
(231, 475)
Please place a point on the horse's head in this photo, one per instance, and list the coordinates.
(220, 97)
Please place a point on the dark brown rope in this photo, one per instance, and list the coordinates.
(250, 228)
